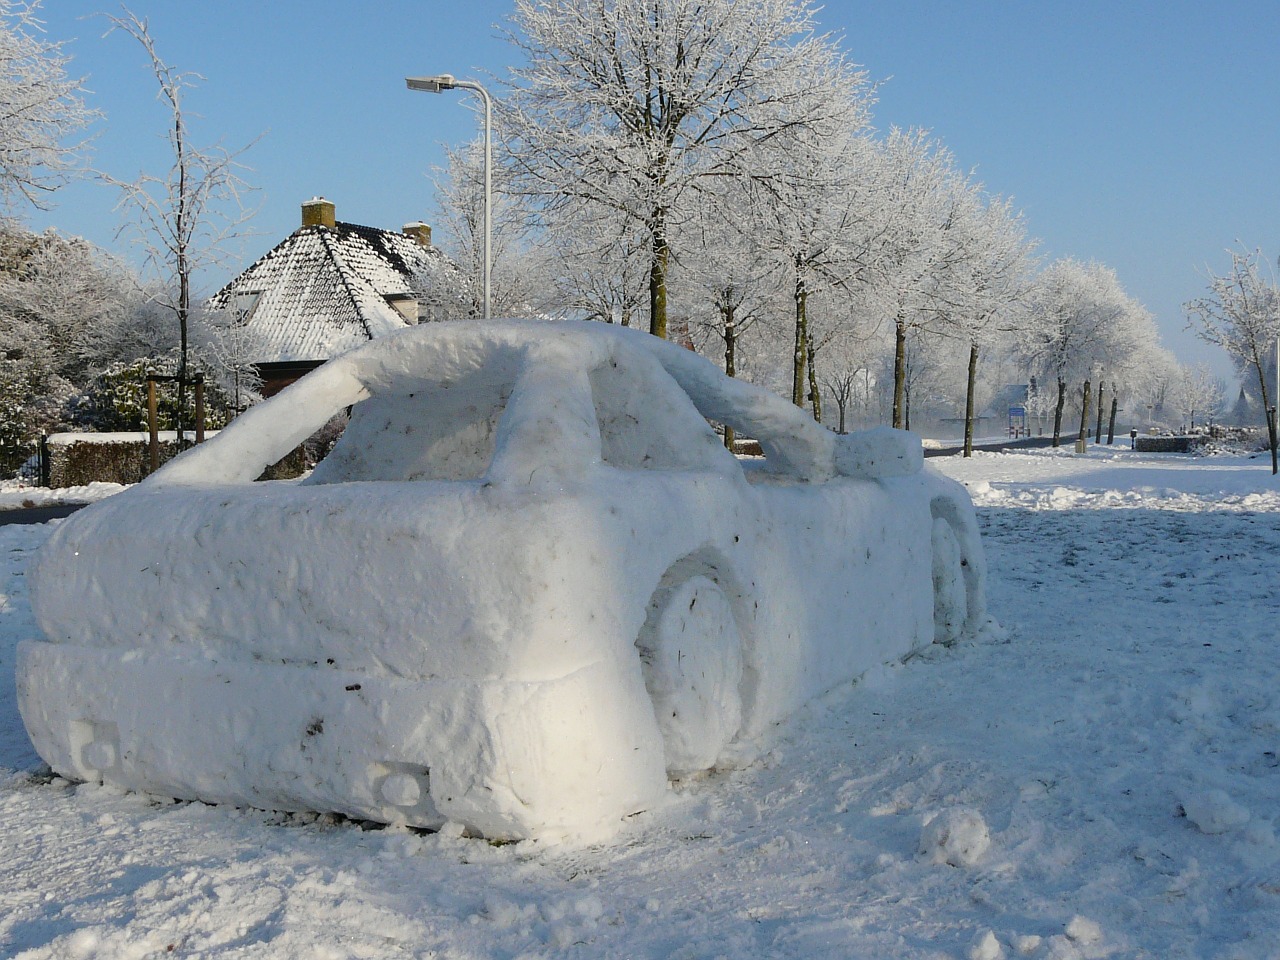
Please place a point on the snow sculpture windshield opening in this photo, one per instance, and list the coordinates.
(647, 422)
(414, 428)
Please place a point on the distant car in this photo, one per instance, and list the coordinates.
(527, 586)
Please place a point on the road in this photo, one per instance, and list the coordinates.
(38, 514)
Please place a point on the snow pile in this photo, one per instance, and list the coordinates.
(1212, 811)
(120, 436)
(527, 585)
(1133, 480)
(958, 837)
(15, 495)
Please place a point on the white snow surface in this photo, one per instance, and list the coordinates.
(1131, 703)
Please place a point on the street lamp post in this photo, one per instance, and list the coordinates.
(444, 82)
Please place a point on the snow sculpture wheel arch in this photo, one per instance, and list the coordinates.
(958, 600)
(694, 662)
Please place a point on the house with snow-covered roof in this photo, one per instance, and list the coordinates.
(331, 286)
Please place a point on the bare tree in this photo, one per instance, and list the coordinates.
(732, 268)
(907, 248)
(1078, 318)
(1196, 392)
(185, 216)
(633, 105)
(40, 107)
(1241, 314)
(981, 297)
(522, 272)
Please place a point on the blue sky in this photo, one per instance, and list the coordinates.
(1141, 134)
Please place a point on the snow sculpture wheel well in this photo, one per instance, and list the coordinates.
(696, 668)
(957, 587)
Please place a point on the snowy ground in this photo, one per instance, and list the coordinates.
(1119, 750)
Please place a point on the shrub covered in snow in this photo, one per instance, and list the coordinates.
(528, 584)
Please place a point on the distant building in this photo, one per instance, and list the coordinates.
(331, 286)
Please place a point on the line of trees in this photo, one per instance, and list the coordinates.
(708, 170)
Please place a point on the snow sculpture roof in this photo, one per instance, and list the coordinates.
(553, 355)
(324, 290)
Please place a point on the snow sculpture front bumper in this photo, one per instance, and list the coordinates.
(308, 737)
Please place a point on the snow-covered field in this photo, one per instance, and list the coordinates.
(1102, 781)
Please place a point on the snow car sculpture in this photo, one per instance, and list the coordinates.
(528, 584)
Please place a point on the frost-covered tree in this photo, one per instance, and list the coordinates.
(599, 265)
(732, 274)
(40, 109)
(850, 371)
(908, 249)
(64, 305)
(65, 295)
(230, 351)
(521, 272)
(980, 298)
(184, 216)
(813, 216)
(1196, 394)
(1241, 314)
(632, 106)
(1079, 318)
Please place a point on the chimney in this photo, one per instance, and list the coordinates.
(318, 212)
(419, 231)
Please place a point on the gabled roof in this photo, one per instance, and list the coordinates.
(325, 290)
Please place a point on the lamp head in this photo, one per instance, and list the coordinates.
(437, 84)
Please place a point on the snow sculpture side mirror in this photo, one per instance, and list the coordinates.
(878, 453)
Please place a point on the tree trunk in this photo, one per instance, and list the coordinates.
(1057, 413)
(1097, 433)
(815, 396)
(1086, 396)
(1111, 425)
(899, 371)
(658, 278)
(802, 339)
(184, 308)
(1267, 406)
(1271, 430)
(968, 399)
(730, 359)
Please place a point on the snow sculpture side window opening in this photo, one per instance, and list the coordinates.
(646, 422)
